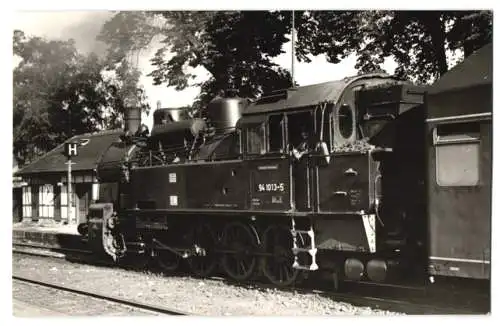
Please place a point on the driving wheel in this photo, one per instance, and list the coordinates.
(240, 241)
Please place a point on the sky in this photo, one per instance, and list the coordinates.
(83, 27)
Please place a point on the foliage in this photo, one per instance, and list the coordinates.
(417, 40)
(237, 48)
(231, 46)
(59, 93)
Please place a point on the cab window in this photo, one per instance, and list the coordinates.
(276, 133)
(299, 125)
(255, 139)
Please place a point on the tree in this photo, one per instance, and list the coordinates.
(231, 46)
(237, 48)
(59, 93)
(418, 40)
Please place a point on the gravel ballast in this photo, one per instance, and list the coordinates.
(69, 304)
(199, 296)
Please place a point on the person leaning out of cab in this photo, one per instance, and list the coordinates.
(304, 148)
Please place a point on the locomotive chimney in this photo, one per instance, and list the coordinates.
(132, 115)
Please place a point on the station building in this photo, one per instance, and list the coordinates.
(44, 181)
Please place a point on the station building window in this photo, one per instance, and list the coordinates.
(457, 154)
(46, 201)
(27, 201)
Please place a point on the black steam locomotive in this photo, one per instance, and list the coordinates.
(340, 177)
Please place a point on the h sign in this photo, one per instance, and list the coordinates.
(71, 149)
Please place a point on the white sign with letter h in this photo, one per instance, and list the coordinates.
(72, 149)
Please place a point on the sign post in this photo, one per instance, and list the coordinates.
(71, 150)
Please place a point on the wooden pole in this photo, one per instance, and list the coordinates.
(69, 191)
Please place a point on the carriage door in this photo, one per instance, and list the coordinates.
(300, 137)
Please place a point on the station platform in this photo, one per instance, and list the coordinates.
(53, 234)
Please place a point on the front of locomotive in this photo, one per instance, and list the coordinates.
(101, 228)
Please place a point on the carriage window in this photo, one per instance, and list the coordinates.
(255, 139)
(457, 132)
(457, 154)
(275, 133)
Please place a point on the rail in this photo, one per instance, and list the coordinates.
(125, 302)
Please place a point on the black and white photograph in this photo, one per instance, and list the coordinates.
(251, 162)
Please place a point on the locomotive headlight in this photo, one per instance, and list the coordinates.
(83, 228)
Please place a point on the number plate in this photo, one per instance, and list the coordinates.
(271, 187)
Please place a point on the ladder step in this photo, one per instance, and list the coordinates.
(312, 267)
(311, 251)
(308, 232)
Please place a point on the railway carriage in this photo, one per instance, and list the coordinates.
(227, 188)
(459, 134)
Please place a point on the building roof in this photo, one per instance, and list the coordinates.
(475, 70)
(87, 158)
(305, 95)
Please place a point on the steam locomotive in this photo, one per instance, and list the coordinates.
(363, 200)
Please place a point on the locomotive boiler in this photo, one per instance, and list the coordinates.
(227, 190)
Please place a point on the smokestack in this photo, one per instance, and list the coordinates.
(132, 115)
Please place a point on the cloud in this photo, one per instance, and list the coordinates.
(82, 26)
(85, 31)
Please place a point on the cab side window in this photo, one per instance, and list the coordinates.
(276, 133)
(255, 139)
(300, 124)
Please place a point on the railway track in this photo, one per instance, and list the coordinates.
(43, 250)
(404, 299)
(108, 298)
(39, 246)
